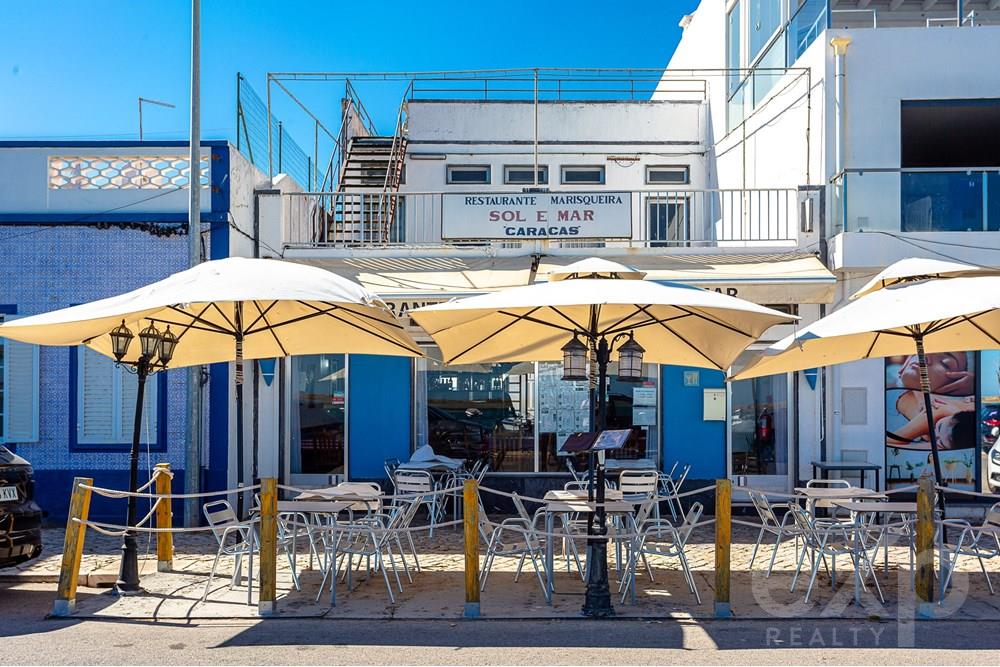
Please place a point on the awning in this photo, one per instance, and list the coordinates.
(410, 282)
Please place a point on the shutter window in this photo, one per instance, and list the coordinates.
(20, 392)
(106, 402)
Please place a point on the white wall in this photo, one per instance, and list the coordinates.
(24, 183)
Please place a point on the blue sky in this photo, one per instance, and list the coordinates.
(73, 70)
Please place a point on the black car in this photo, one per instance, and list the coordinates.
(20, 516)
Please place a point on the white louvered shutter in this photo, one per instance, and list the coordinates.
(97, 405)
(20, 392)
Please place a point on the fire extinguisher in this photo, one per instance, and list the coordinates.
(765, 426)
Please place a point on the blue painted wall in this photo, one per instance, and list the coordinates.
(686, 436)
(380, 404)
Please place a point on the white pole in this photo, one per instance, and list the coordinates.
(192, 455)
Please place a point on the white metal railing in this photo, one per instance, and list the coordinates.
(659, 218)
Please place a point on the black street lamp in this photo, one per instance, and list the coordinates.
(597, 602)
(157, 349)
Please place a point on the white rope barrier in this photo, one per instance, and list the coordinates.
(117, 530)
(114, 493)
(947, 489)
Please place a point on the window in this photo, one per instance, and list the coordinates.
(946, 150)
(733, 47)
(656, 175)
(517, 416)
(760, 426)
(522, 175)
(583, 175)
(765, 19)
(105, 402)
(318, 425)
(468, 174)
(669, 221)
(18, 389)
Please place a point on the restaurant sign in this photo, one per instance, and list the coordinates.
(537, 215)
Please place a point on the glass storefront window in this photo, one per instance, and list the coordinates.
(317, 425)
(489, 411)
(989, 420)
(760, 426)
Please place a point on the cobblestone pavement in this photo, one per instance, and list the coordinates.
(437, 590)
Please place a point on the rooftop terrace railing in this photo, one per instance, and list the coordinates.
(657, 218)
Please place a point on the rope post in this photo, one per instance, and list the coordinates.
(69, 572)
(470, 521)
(723, 544)
(925, 548)
(268, 546)
(164, 519)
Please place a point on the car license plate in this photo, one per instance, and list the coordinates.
(8, 493)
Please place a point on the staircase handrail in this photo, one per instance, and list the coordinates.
(390, 187)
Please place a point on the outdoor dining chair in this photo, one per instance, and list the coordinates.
(639, 485)
(781, 529)
(820, 503)
(659, 537)
(224, 523)
(829, 537)
(514, 538)
(671, 487)
(981, 541)
(421, 485)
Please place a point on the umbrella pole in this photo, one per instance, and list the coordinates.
(598, 597)
(238, 317)
(925, 388)
(128, 573)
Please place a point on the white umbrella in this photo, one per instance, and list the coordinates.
(603, 303)
(909, 318)
(230, 309)
(225, 310)
(594, 298)
(915, 268)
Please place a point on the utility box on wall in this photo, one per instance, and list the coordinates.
(714, 405)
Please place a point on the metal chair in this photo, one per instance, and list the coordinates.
(516, 538)
(639, 485)
(223, 521)
(827, 537)
(827, 483)
(770, 524)
(421, 484)
(671, 489)
(981, 541)
(659, 537)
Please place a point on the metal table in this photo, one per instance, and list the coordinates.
(883, 508)
(826, 467)
(563, 503)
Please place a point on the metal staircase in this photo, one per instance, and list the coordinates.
(364, 208)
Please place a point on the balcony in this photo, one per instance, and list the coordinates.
(512, 221)
(880, 215)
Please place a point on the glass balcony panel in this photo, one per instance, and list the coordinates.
(941, 201)
(804, 27)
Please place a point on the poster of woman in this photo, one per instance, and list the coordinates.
(952, 378)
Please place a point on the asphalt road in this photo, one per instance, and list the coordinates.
(27, 637)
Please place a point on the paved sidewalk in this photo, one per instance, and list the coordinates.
(437, 591)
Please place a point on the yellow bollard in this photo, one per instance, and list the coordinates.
(925, 548)
(69, 572)
(470, 494)
(164, 519)
(723, 544)
(266, 606)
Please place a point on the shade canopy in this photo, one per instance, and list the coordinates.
(280, 308)
(913, 269)
(951, 314)
(676, 324)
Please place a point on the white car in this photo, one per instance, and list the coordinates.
(993, 467)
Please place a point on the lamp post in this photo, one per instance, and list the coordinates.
(157, 349)
(597, 603)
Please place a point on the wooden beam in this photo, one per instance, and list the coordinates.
(723, 544)
(894, 5)
(76, 531)
(928, 4)
(470, 516)
(925, 548)
(164, 519)
(863, 4)
(268, 547)
(994, 4)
